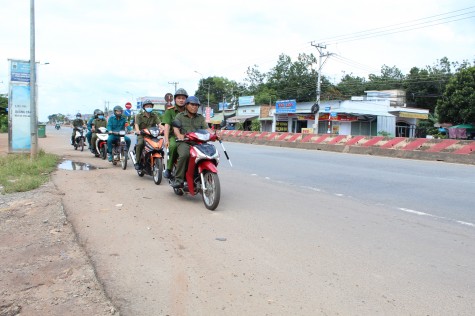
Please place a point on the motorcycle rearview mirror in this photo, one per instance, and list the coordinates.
(176, 123)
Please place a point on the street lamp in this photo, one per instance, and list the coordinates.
(202, 82)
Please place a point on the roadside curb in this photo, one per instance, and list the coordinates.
(446, 150)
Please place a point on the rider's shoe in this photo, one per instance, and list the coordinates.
(137, 166)
(166, 174)
(177, 184)
(109, 157)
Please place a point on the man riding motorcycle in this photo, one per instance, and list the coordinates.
(100, 121)
(143, 120)
(190, 121)
(116, 123)
(78, 122)
(170, 139)
(89, 128)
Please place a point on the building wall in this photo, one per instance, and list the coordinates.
(386, 124)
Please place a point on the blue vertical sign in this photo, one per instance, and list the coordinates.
(20, 117)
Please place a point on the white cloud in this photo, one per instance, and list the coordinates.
(98, 50)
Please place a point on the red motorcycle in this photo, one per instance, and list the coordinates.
(202, 172)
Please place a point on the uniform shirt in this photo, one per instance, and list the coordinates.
(116, 125)
(191, 124)
(169, 116)
(78, 122)
(99, 123)
(145, 122)
(89, 123)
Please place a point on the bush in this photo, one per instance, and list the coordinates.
(3, 123)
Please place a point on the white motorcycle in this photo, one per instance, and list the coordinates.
(101, 143)
(79, 138)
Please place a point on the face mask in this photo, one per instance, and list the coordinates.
(101, 117)
(118, 115)
(148, 110)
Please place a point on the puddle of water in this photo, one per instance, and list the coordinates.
(74, 165)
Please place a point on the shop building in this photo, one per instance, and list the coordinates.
(379, 112)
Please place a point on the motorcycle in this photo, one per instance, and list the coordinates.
(119, 150)
(152, 155)
(57, 126)
(101, 143)
(79, 138)
(201, 174)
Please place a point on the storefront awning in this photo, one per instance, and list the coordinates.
(422, 116)
(241, 118)
(217, 118)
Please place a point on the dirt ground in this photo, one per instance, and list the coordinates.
(43, 268)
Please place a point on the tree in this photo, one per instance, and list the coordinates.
(457, 105)
(351, 85)
(220, 89)
(294, 80)
(390, 78)
(425, 86)
(3, 114)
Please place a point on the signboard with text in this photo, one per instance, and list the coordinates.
(19, 105)
(286, 106)
(247, 100)
(20, 71)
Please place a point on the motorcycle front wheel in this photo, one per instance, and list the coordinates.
(81, 143)
(157, 171)
(123, 158)
(212, 193)
(104, 152)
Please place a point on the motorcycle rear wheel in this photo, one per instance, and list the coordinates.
(212, 194)
(123, 158)
(157, 171)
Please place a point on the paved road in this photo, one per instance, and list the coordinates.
(280, 243)
(437, 189)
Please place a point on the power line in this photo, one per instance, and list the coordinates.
(391, 29)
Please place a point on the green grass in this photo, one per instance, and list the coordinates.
(18, 173)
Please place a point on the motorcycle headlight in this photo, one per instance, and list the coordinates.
(154, 132)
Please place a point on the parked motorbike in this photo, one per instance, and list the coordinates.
(79, 138)
(101, 143)
(202, 173)
(57, 126)
(152, 155)
(119, 150)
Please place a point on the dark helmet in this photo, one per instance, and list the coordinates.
(78, 115)
(99, 112)
(180, 91)
(148, 101)
(96, 111)
(192, 99)
(117, 108)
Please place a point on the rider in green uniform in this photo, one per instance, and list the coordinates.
(145, 119)
(190, 122)
(100, 121)
(167, 119)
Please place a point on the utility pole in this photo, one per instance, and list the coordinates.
(174, 83)
(316, 107)
(33, 115)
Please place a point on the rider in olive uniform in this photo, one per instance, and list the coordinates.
(100, 121)
(78, 122)
(190, 122)
(145, 119)
(167, 119)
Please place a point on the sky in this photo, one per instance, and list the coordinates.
(113, 51)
